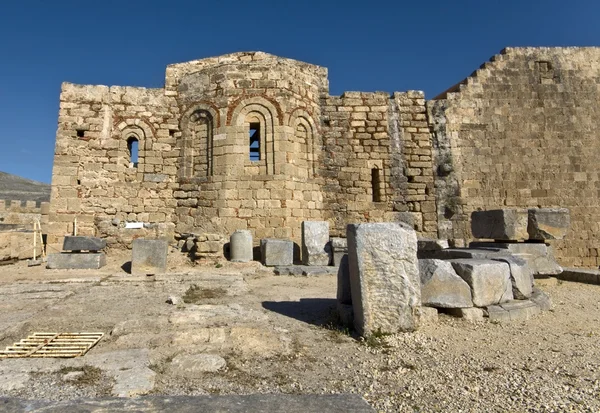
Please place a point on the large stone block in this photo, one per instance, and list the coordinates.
(442, 287)
(548, 223)
(500, 224)
(149, 256)
(539, 256)
(71, 243)
(521, 276)
(384, 277)
(489, 280)
(240, 246)
(276, 252)
(76, 261)
(315, 239)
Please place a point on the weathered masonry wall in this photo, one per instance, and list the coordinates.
(242, 141)
(23, 213)
(522, 131)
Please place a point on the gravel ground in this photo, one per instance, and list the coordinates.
(550, 363)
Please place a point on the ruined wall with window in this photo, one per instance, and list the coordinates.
(522, 132)
(241, 141)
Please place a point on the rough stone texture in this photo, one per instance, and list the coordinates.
(265, 403)
(516, 310)
(502, 132)
(473, 314)
(548, 223)
(149, 256)
(17, 245)
(521, 276)
(339, 248)
(195, 365)
(428, 315)
(541, 299)
(294, 270)
(441, 286)
(315, 239)
(240, 246)
(539, 256)
(276, 252)
(76, 261)
(83, 243)
(384, 277)
(500, 224)
(489, 280)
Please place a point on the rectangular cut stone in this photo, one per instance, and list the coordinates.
(548, 223)
(515, 310)
(276, 252)
(500, 224)
(539, 256)
(76, 261)
(441, 287)
(339, 248)
(521, 276)
(83, 244)
(149, 256)
(315, 239)
(489, 280)
(384, 277)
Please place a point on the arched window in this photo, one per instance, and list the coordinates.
(132, 147)
(254, 131)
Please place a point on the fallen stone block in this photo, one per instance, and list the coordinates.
(294, 270)
(521, 276)
(539, 256)
(500, 224)
(515, 310)
(473, 314)
(441, 286)
(240, 246)
(489, 280)
(83, 244)
(149, 256)
(276, 252)
(548, 223)
(315, 239)
(384, 277)
(76, 261)
(582, 275)
(339, 248)
(542, 299)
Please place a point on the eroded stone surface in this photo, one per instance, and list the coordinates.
(315, 239)
(548, 223)
(441, 286)
(149, 256)
(276, 252)
(489, 280)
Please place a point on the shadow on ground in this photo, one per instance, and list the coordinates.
(317, 311)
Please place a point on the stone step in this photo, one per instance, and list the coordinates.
(515, 310)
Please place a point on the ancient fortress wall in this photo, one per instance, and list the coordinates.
(23, 213)
(241, 141)
(522, 131)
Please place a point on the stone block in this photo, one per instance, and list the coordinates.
(500, 224)
(441, 286)
(514, 310)
(428, 315)
(315, 239)
(489, 280)
(473, 314)
(539, 256)
(384, 277)
(472, 253)
(548, 223)
(541, 299)
(294, 270)
(240, 246)
(149, 256)
(71, 243)
(521, 276)
(339, 248)
(276, 252)
(582, 275)
(76, 261)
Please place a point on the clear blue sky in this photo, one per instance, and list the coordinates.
(386, 45)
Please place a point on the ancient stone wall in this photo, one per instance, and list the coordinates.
(521, 131)
(23, 213)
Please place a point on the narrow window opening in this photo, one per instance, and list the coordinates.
(254, 141)
(132, 147)
(80, 133)
(375, 185)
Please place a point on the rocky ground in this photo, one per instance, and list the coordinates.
(239, 329)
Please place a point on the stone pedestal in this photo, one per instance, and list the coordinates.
(149, 256)
(76, 261)
(240, 246)
(315, 239)
(276, 252)
(384, 277)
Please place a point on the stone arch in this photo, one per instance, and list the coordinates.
(133, 129)
(305, 133)
(241, 104)
(197, 127)
(257, 110)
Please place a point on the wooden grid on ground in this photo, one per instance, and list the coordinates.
(52, 345)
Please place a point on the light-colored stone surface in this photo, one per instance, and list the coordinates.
(521, 276)
(441, 286)
(384, 277)
(489, 280)
(149, 256)
(240, 246)
(473, 314)
(539, 256)
(500, 224)
(195, 365)
(548, 223)
(515, 310)
(276, 252)
(315, 239)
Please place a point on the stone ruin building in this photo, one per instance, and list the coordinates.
(255, 141)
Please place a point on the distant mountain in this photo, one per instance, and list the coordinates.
(16, 188)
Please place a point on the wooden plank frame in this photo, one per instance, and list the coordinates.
(63, 345)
